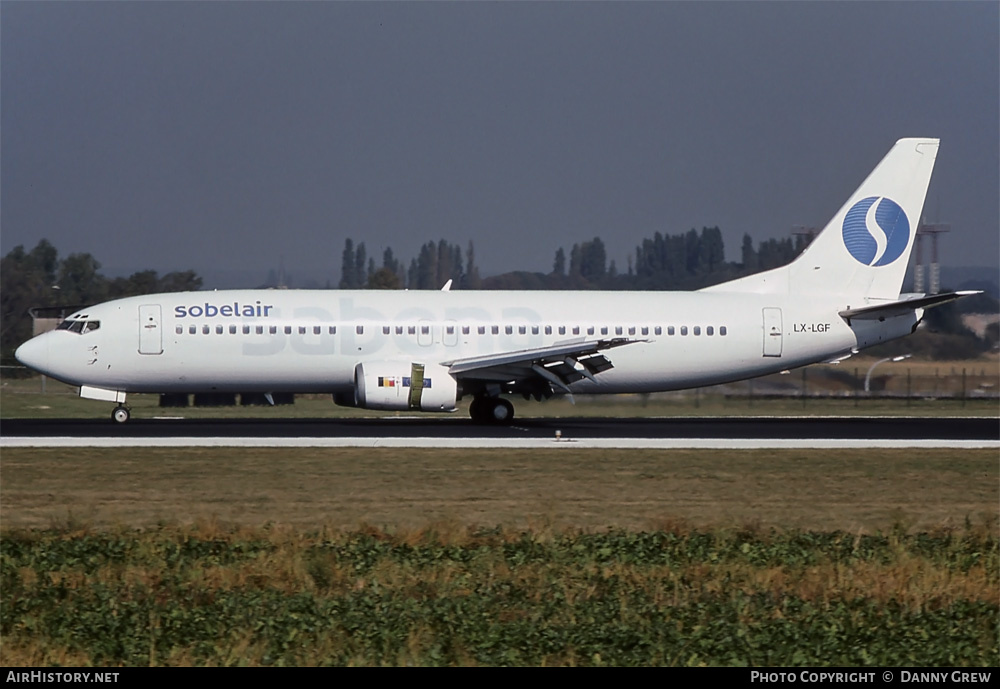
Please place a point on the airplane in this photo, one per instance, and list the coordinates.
(426, 350)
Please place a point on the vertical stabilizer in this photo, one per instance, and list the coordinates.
(864, 250)
(862, 253)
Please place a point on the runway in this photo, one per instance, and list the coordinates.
(673, 432)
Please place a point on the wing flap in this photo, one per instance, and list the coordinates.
(560, 364)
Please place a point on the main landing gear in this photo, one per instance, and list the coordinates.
(121, 414)
(493, 410)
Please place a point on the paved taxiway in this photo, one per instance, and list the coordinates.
(735, 432)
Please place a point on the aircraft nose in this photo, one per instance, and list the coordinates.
(34, 353)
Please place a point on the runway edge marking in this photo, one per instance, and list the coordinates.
(512, 443)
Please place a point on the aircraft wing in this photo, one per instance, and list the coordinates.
(559, 364)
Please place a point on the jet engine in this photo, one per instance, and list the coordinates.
(398, 385)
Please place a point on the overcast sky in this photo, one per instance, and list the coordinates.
(224, 136)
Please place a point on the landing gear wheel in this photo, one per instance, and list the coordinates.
(491, 410)
(501, 412)
(476, 410)
(121, 414)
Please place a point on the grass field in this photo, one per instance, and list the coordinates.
(347, 488)
(451, 595)
(429, 557)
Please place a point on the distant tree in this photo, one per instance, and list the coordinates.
(348, 273)
(389, 261)
(384, 278)
(575, 261)
(749, 255)
(593, 260)
(360, 266)
(471, 278)
(692, 251)
(45, 259)
(712, 253)
(180, 281)
(559, 265)
(80, 282)
(427, 269)
(412, 274)
(25, 281)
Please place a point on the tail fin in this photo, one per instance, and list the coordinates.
(864, 250)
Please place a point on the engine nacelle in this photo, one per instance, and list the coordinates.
(398, 385)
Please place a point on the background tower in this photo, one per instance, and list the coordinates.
(932, 229)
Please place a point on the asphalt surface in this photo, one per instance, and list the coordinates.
(859, 428)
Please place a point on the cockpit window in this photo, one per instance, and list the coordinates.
(80, 326)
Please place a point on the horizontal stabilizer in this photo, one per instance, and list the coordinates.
(904, 306)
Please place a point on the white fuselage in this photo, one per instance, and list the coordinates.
(311, 341)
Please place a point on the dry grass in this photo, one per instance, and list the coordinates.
(340, 489)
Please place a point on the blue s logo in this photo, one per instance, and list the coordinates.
(876, 231)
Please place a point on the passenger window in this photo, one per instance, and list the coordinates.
(411, 330)
(604, 330)
(399, 330)
(631, 331)
(684, 330)
(385, 329)
(179, 330)
(218, 329)
(562, 329)
(722, 330)
(333, 330)
(193, 329)
(465, 330)
(425, 330)
(288, 330)
(576, 330)
(273, 330)
(645, 330)
(317, 330)
(481, 330)
(548, 330)
(670, 330)
(246, 329)
(618, 330)
(522, 330)
(495, 329)
(302, 330)
(259, 329)
(590, 330)
(360, 330)
(709, 330)
(232, 330)
(534, 330)
(205, 330)
(509, 329)
(450, 329)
